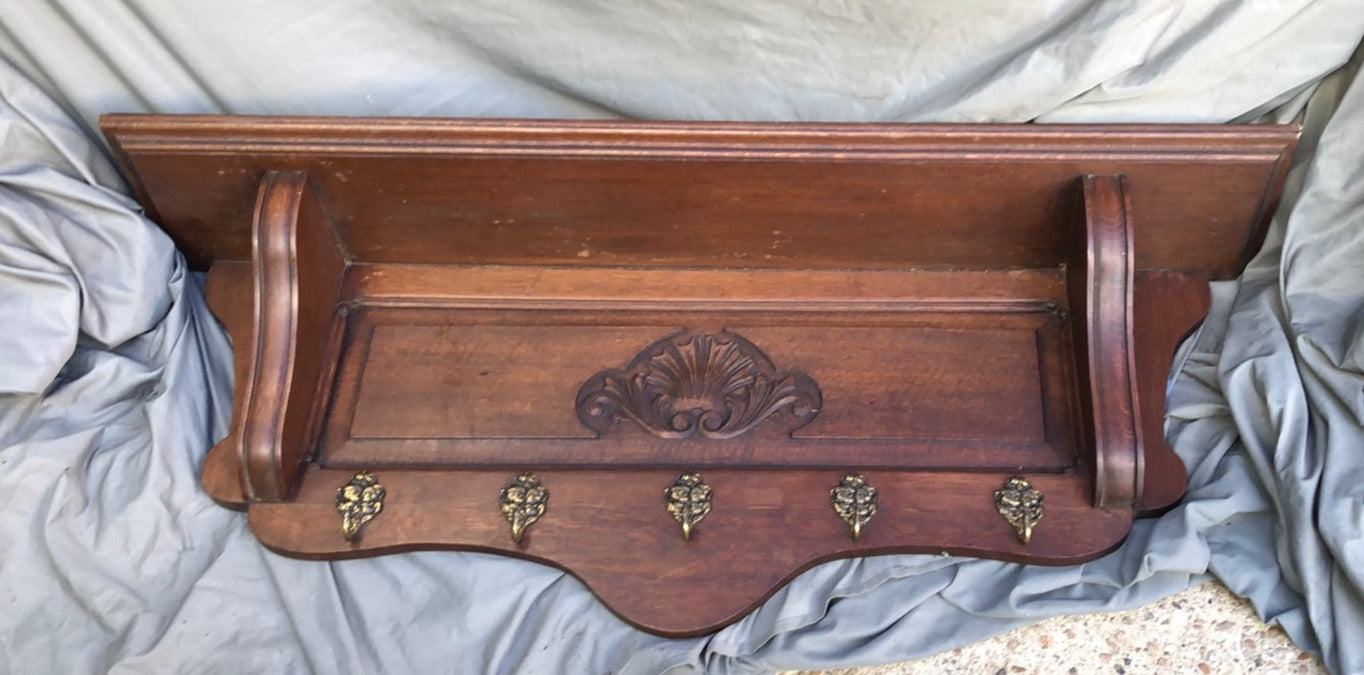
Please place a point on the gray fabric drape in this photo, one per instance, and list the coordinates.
(114, 379)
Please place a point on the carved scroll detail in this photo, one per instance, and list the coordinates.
(713, 384)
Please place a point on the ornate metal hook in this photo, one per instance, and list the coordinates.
(854, 500)
(359, 501)
(1021, 505)
(523, 502)
(688, 500)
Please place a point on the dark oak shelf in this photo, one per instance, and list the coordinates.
(441, 306)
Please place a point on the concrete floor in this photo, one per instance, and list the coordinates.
(1204, 630)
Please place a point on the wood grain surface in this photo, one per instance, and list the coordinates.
(450, 303)
(721, 195)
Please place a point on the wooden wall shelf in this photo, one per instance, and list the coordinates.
(575, 342)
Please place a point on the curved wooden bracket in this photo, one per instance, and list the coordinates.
(298, 269)
(1100, 280)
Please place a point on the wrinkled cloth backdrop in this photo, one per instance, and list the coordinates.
(114, 379)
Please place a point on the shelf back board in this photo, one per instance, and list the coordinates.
(708, 194)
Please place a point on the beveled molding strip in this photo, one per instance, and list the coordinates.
(689, 289)
(927, 306)
(680, 140)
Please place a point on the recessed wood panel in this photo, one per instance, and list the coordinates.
(482, 381)
(451, 386)
(913, 382)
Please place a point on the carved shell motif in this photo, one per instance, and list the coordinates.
(715, 384)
